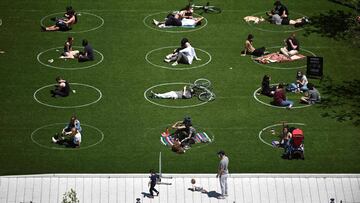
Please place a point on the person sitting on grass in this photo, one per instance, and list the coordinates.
(250, 49)
(72, 139)
(184, 56)
(173, 55)
(73, 123)
(312, 96)
(62, 88)
(186, 93)
(63, 24)
(279, 9)
(301, 83)
(280, 97)
(266, 89)
(87, 54)
(185, 132)
(69, 53)
(292, 46)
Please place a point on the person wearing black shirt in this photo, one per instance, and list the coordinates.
(292, 46)
(266, 89)
(62, 88)
(87, 54)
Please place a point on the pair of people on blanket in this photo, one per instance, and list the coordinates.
(184, 132)
(182, 18)
(292, 47)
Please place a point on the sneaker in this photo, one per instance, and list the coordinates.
(221, 197)
(53, 140)
(157, 194)
(167, 60)
(289, 107)
(155, 22)
(175, 63)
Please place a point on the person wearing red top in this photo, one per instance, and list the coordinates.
(280, 97)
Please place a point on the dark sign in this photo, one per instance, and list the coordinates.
(314, 66)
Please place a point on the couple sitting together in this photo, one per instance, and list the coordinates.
(185, 54)
(86, 55)
(184, 135)
(182, 18)
(292, 47)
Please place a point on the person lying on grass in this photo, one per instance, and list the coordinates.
(62, 24)
(72, 139)
(300, 85)
(292, 46)
(185, 93)
(178, 19)
(62, 88)
(69, 53)
(87, 54)
(312, 96)
(276, 19)
(280, 97)
(250, 49)
(185, 55)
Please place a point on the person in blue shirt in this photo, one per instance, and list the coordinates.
(153, 179)
(67, 130)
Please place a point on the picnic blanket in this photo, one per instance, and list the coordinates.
(168, 140)
(278, 58)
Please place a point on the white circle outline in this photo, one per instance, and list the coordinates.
(168, 106)
(279, 107)
(79, 68)
(67, 107)
(173, 31)
(270, 126)
(57, 148)
(280, 68)
(81, 31)
(278, 31)
(174, 68)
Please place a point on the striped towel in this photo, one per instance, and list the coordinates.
(199, 138)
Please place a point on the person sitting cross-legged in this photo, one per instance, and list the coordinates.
(72, 139)
(62, 88)
(312, 96)
(280, 97)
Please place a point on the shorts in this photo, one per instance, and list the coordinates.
(62, 26)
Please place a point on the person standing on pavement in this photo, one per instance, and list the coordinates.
(222, 173)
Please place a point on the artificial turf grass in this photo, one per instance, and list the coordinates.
(125, 117)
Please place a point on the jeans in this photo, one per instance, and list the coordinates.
(286, 103)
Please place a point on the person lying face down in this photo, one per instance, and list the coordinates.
(185, 93)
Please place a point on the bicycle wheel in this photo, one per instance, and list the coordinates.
(202, 82)
(206, 96)
(213, 9)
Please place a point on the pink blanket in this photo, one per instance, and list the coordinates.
(278, 58)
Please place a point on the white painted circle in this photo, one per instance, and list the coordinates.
(68, 107)
(58, 148)
(271, 126)
(78, 68)
(169, 106)
(279, 107)
(282, 68)
(175, 68)
(173, 31)
(81, 31)
(268, 30)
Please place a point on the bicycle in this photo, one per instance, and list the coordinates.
(207, 8)
(202, 89)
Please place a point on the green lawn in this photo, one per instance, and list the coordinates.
(131, 125)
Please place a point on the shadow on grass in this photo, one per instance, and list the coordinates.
(354, 4)
(341, 101)
(333, 24)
